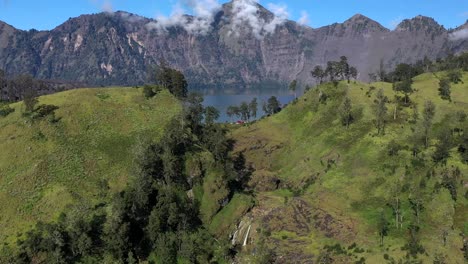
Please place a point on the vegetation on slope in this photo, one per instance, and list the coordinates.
(47, 165)
(129, 187)
(342, 176)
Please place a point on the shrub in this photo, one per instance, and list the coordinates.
(102, 96)
(45, 110)
(150, 91)
(6, 110)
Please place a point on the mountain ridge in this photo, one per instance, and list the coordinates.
(265, 50)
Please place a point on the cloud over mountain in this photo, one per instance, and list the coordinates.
(459, 34)
(203, 12)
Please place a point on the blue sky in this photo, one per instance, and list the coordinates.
(47, 14)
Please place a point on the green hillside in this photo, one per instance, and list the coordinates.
(46, 165)
(324, 192)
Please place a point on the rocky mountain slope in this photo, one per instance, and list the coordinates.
(241, 45)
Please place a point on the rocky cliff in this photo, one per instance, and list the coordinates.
(241, 46)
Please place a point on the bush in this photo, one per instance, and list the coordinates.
(102, 96)
(6, 110)
(454, 76)
(150, 91)
(45, 110)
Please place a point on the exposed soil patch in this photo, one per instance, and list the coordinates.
(333, 227)
(295, 217)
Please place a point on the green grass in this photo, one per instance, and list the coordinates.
(222, 222)
(297, 144)
(44, 166)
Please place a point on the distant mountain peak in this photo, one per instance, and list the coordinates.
(419, 23)
(358, 16)
(363, 23)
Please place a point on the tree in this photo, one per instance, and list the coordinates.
(193, 109)
(30, 100)
(427, 64)
(232, 111)
(403, 71)
(381, 73)
(442, 151)
(318, 73)
(211, 115)
(404, 86)
(444, 89)
(244, 111)
(343, 68)
(353, 73)
(253, 107)
(166, 249)
(428, 116)
(454, 76)
(171, 79)
(346, 112)
(148, 91)
(383, 227)
(416, 204)
(272, 106)
(293, 87)
(179, 84)
(333, 71)
(380, 111)
(414, 244)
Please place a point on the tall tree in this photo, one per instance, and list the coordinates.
(404, 86)
(353, 73)
(382, 226)
(428, 116)
(343, 68)
(380, 111)
(346, 112)
(244, 111)
(293, 87)
(445, 89)
(211, 115)
(333, 71)
(455, 76)
(382, 74)
(442, 151)
(318, 73)
(272, 106)
(253, 107)
(26, 85)
(232, 111)
(171, 79)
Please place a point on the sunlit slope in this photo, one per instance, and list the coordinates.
(45, 166)
(318, 183)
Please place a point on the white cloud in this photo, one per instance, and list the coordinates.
(203, 12)
(130, 17)
(281, 15)
(464, 14)
(107, 6)
(246, 12)
(459, 34)
(304, 19)
(103, 5)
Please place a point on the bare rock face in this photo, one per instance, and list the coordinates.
(238, 48)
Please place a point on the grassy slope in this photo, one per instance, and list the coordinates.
(44, 167)
(342, 203)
